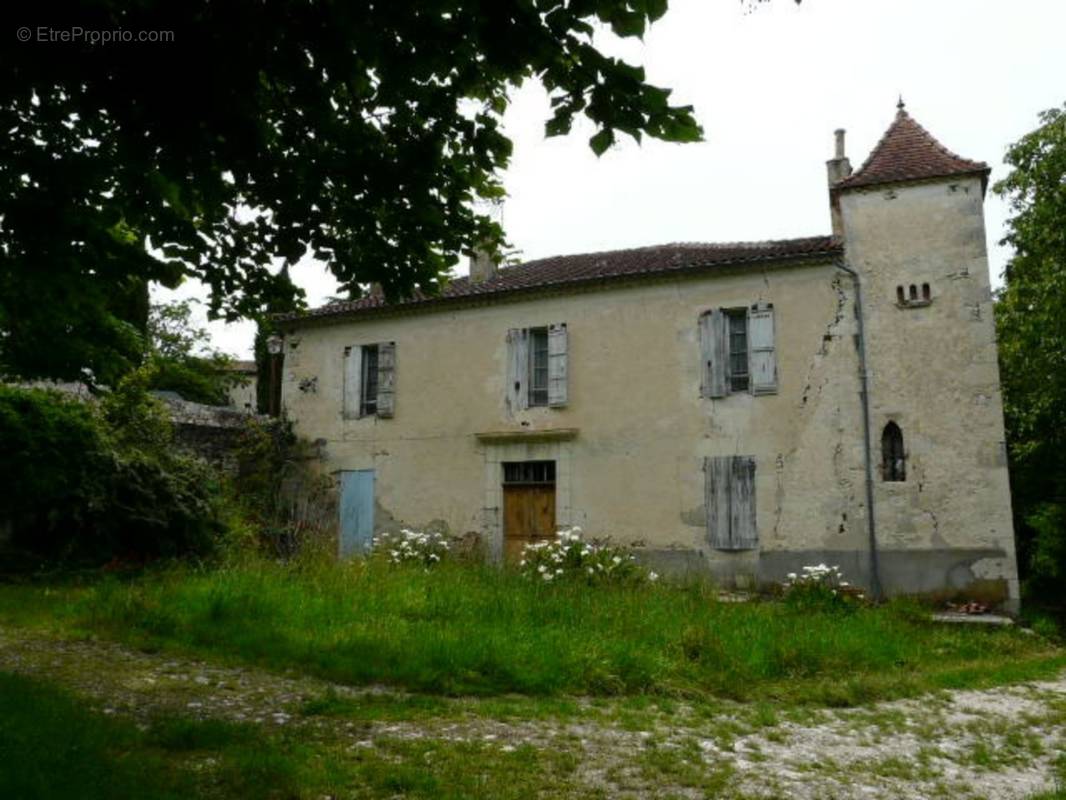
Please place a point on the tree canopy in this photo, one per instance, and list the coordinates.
(1031, 323)
(181, 359)
(256, 133)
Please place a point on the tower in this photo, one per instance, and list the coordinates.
(912, 223)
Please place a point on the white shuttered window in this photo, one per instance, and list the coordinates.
(369, 380)
(737, 351)
(537, 369)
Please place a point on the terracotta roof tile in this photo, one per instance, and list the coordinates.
(595, 268)
(909, 152)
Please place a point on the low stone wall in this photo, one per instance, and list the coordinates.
(210, 432)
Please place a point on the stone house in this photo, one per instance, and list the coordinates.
(739, 409)
(241, 393)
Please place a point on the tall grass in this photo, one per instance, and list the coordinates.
(463, 629)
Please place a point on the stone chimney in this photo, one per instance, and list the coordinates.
(837, 168)
(482, 266)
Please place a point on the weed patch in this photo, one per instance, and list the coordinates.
(464, 630)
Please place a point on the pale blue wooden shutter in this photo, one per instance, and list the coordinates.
(353, 382)
(730, 501)
(717, 476)
(517, 389)
(714, 354)
(386, 379)
(557, 366)
(763, 359)
(743, 532)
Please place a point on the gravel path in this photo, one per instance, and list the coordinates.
(998, 744)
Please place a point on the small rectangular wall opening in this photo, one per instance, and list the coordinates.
(528, 505)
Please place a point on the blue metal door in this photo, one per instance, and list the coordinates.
(357, 511)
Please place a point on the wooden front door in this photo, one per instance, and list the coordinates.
(528, 505)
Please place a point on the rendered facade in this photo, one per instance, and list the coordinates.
(732, 408)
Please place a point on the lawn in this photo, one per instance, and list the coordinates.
(466, 630)
(53, 746)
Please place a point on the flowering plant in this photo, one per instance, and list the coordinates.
(410, 547)
(570, 557)
(821, 587)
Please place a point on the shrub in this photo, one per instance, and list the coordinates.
(280, 493)
(411, 547)
(821, 588)
(1046, 584)
(568, 557)
(87, 481)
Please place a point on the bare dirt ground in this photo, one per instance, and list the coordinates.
(1002, 743)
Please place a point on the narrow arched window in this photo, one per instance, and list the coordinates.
(893, 459)
(914, 292)
(925, 291)
(899, 295)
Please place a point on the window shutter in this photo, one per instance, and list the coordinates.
(386, 379)
(517, 390)
(714, 353)
(557, 365)
(718, 476)
(353, 379)
(730, 500)
(742, 504)
(761, 346)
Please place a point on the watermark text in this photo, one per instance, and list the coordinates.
(75, 34)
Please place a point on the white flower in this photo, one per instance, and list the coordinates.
(558, 572)
(592, 571)
(653, 576)
(792, 576)
(547, 576)
(542, 568)
(616, 560)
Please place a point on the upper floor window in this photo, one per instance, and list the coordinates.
(893, 459)
(369, 380)
(537, 372)
(538, 366)
(737, 351)
(368, 402)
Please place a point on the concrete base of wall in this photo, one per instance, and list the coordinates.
(941, 572)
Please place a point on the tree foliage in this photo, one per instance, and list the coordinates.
(182, 358)
(1031, 323)
(360, 133)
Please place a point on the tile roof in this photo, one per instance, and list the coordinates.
(909, 152)
(594, 268)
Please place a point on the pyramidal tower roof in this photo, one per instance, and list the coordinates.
(908, 152)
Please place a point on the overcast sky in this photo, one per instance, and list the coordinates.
(769, 85)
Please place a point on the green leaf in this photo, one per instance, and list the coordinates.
(601, 141)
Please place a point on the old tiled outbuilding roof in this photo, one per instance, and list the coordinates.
(563, 272)
(908, 152)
